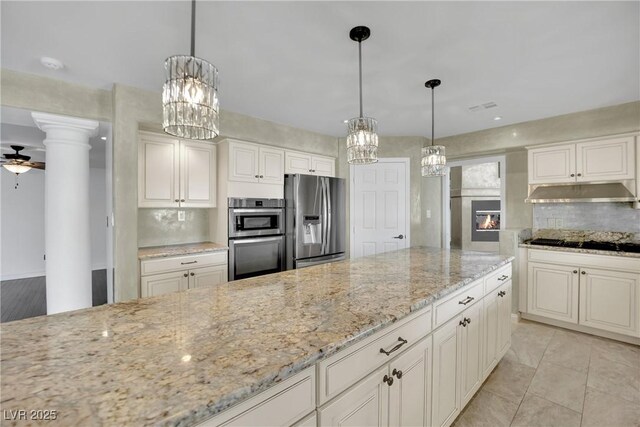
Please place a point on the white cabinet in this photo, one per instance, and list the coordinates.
(552, 291)
(159, 284)
(605, 160)
(609, 300)
(491, 330)
(445, 405)
(158, 171)
(471, 372)
(410, 393)
(255, 163)
(397, 394)
(589, 161)
(366, 404)
(598, 294)
(172, 274)
(504, 319)
(556, 164)
(174, 173)
(309, 164)
(291, 402)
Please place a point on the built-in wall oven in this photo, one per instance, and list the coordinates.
(256, 237)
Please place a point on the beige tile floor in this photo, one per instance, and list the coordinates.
(555, 377)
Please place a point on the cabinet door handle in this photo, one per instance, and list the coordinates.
(193, 274)
(579, 174)
(575, 271)
(177, 200)
(583, 272)
(572, 175)
(466, 301)
(185, 275)
(466, 319)
(261, 176)
(402, 342)
(463, 323)
(397, 373)
(257, 176)
(387, 379)
(190, 262)
(182, 200)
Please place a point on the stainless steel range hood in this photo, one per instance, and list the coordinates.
(573, 193)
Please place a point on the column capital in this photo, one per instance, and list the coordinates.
(46, 122)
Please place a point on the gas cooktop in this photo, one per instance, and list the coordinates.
(589, 244)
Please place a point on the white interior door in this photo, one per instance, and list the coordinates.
(380, 207)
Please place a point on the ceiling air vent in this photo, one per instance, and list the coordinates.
(481, 107)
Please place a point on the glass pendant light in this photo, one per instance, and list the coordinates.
(190, 94)
(434, 161)
(362, 137)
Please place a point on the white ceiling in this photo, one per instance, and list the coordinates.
(293, 62)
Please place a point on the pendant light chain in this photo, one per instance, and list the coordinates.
(360, 73)
(193, 28)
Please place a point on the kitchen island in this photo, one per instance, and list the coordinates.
(181, 358)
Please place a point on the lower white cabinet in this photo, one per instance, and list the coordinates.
(553, 291)
(397, 394)
(172, 274)
(609, 300)
(445, 405)
(593, 293)
(470, 327)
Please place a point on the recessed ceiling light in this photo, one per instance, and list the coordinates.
(497, 118)
(51, 63)
(104, 138)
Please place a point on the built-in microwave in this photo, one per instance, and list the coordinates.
(256, 217)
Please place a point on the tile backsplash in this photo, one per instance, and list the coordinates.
(158, 227)
(587, 216)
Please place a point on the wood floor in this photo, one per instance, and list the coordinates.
(23, 298)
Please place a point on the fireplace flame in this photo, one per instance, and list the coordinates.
(487, 222)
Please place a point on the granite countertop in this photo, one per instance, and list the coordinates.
(177, 250)
(180, 358)
(581, 250)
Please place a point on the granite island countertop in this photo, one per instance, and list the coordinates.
(180, 358)
(177, 250)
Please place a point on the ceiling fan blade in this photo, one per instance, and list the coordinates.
(37, 165)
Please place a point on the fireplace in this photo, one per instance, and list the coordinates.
(485, 220)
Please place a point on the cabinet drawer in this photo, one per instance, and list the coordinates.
(453, 305)
(344, 369)
(163, 265)
(497, 278)
(281, 405)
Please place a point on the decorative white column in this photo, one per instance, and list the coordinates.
(67, 221)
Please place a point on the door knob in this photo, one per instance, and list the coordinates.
(399, 237)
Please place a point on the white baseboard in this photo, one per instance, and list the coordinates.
(17, 276)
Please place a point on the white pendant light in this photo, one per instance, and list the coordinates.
(190, 94)
(434, 162)
(362, 137)
(16, 168)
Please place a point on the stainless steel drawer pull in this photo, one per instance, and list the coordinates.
(402, 342)
(503, 277)
(466, 301)
(190, 262)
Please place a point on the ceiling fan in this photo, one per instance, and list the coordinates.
(19, 163)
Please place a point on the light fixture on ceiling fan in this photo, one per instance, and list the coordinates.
(362, 137)
(19, 163)
(190, 94)
(434, 161)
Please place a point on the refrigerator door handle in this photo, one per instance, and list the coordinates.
(323, 250)
(329, 219)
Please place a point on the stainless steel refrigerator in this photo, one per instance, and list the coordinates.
(315, 220)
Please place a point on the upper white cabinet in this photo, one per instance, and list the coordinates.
(174, 173)
(552, 164)
(589, 161)
(605, 160)
(255, 163)
(309, 164)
